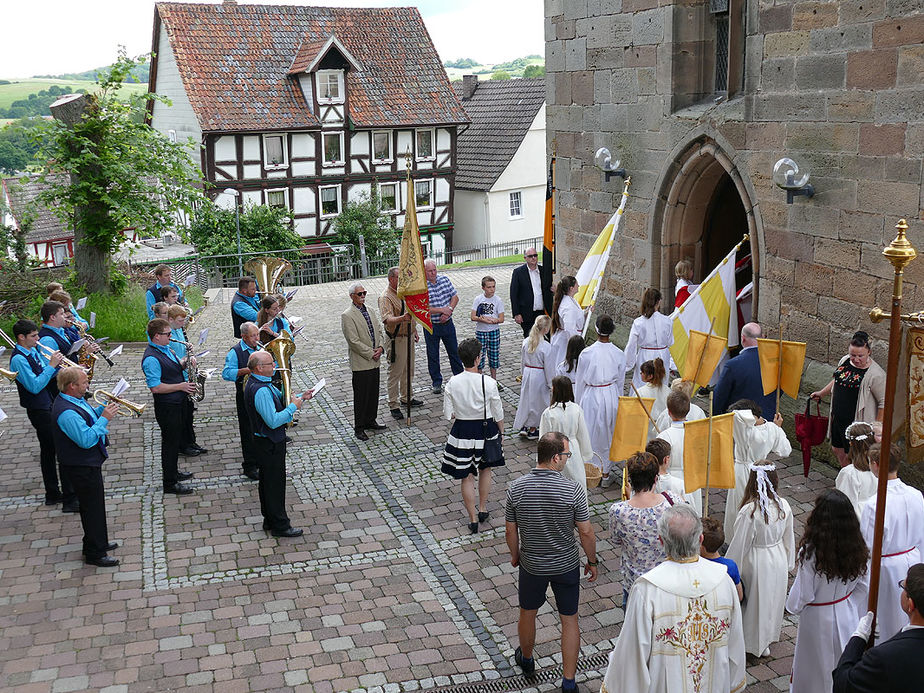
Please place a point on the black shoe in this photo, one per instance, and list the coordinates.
(361, 435)
(252, 474)
(178, 489)
(102, 561)
(71, 507)
(190, 452)
(397, 414)
(52, 498)
(527, 665)
(473, 528)
(198, 447)
(112, 546)
(288, 439)
(374, 426)
(290, 532)
(483, 516)
(500, 388)
(184, 476)
(266, 527)
(414, 403)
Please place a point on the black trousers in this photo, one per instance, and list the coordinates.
(272, 484)
(189, 433)
(529, 319)
(170, 419)
(365, 398)
(88, 485)
(43, 424)
(243, 424)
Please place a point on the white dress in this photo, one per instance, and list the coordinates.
(649, 338)
(600, 374)
(752, 443)
(570, 421)
(670, 483)
(682, 633)
(660, 403)
(674, 434)
(562, 369)
(827, 617)
(571, 318)
(858, 486)
(902, 540)
(765, 553)
(695, 414)
(538, 371)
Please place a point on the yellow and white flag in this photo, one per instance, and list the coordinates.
(790, 375)
(590, 275)
(714, 298)
(695, 445)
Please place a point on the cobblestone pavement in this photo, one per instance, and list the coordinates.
(386, 591)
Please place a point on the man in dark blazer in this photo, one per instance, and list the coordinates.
(528, 298)
(895, 665)
(740, 378)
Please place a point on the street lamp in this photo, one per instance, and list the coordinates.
(237, 221)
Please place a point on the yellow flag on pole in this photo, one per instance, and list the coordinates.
(790, 377)
(630, 435)
(695, 445)
(703, 355)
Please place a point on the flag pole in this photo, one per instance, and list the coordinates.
(779, 367)
(708, 457)
(407, 368)
(647, 411)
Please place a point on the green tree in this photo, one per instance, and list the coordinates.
(364, 217)
(17, 151)
(534, 71)
(123, 174)
(263, 229)
(500, 74)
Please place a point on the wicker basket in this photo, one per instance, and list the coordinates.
(594, 475)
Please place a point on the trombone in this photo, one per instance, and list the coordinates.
(126, 408)
(66, 362)
(9, 375)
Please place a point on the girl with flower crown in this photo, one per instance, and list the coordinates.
(856, 480)
(764, 549)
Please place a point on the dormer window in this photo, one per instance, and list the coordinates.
(330, 86)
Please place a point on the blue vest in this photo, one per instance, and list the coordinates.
(171, 373)
(236, 319)
(242, 358)
(69, 453)
(277, 435)
(63, 346)
(42, 399)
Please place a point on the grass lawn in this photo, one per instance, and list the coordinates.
(20, 89)
(485, 262)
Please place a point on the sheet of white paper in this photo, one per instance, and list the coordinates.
(197, 311)
(291, 294)
(82, 303)
(116, 351)
(203, 353)
(2, 415)
(120, 387)
(101, 340)
(190, 280)
(2, 303)
(75, 347)
(208, 372)
(294, 320)
(203, 336)
(92, 320)
(318, 387)
(2, 349)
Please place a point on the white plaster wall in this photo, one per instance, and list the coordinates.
(469, 215)
(529, 165)
(225, 149)
(180, 115)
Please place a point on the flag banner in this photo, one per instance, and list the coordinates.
(412, 282)
(714, 298)
(768, 352)
(590, 274)
(548, 236)
(630, 435)
(703, 355)
(695, 439)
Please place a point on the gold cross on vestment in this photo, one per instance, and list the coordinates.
(696, 583)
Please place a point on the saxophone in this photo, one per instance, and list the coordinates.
(86, 359)
(192, 371)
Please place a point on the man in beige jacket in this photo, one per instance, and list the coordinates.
(364, 339)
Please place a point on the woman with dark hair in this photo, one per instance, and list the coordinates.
(271, 320)
(473, 400)
(567, 317)
(650, 337)
(831, 581)
(634, 523)
(764, 549)
(856, 480)
(568, 366)
(655, 386)
(565, 416)
(857, 393)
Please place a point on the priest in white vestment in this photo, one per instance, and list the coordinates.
(682, 632)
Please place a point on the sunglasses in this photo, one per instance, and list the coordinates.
(361, 293)
(533, 255)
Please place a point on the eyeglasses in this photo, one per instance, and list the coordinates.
(901, 583)
(565, 454)
(164, 334)
(360, 293)
(533, 255)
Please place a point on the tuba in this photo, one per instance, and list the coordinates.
(282, 349)
(126, 408)
(267, 271)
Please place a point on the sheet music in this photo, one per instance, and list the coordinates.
(208, 372)
(120, 387)
(2, 415)
(291, 294)
(2, 349)
(82, 303)
(116, 351)
(190, 280)
(203, 353)
(92, 320)
(75, 347)
(294, 320)
(318, 386)
(203, 336)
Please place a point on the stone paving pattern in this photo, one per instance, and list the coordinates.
(386, 591)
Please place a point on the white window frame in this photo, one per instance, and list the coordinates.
(285, 197)
(519, 204)
(64, 254)
(428, 181)
(388, 157)
(417, 155)
(397, 207)
(321, 189)
(269, 165)
(323, 78)
(324, 161)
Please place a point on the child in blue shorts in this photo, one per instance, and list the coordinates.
(713, 538)
(488, 314)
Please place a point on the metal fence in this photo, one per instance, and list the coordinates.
(327, 263)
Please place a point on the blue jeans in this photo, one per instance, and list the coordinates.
(445, 332)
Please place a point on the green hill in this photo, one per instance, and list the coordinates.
(21, 89)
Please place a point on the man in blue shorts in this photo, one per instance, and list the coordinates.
(543, 509)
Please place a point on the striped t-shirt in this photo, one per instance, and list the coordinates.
(546, 507)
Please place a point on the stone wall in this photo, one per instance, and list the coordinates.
(837, 86)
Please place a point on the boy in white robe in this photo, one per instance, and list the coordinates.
(682, 630)
(663, 420)
(902, 540)
(678, 406)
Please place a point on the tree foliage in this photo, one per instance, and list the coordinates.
(461, 63)
(500, 74)
(263, 229)
(364, 217)
(534, 71)
(17, 150)
(123, 174)
(37, 103)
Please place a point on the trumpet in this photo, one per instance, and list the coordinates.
(126, 408)
(66, 362)
(10, 375)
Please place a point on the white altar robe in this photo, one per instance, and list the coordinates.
(695, 414)
(674, 435)
(677, 613)
(858, 486)
(752, 443)
(828, 614)
(659, 394)
(538, 371)
(570, 421)
(765, 553)
(649, 339)
(571, 319)
(903, 530)
(600, 375)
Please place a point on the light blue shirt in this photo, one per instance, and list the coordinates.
(247, 307)
(75, 427)
(266, 407)
(149, 298)
(178, 348)
(229, 372)
(77, 317)
(27, 378)
(50, 342)
(151, 366)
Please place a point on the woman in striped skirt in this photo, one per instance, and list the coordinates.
(472, 399)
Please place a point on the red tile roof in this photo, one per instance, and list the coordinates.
(235, 59)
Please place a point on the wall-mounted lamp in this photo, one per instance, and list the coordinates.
(605, 163)
(786, 175)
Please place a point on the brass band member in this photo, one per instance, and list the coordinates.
(53, 336)
(244, 304)
(80, 439)
(271, 320)
(268, 418)
(164, 276)
(236, 370)
(35, 396)
(166, 378)
(177, 316)
(71, 315)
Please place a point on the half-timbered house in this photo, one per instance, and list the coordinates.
(309, 107)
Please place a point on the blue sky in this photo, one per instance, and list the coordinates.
(54, 36)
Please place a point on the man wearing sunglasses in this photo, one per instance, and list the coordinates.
(364, 341)
(528, 298)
